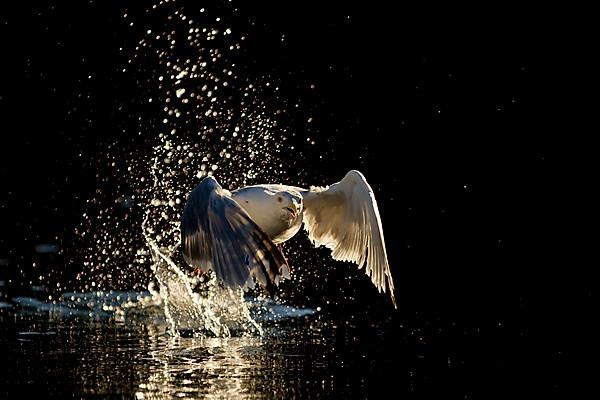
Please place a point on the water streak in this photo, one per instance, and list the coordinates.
(209, 117)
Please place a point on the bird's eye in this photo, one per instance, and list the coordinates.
(279, 199)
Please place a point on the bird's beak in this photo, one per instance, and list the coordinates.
(297, 205)
(293, 211)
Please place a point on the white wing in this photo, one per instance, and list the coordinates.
(344, 217)
(217, 234)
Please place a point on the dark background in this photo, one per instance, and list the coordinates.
(459, 118)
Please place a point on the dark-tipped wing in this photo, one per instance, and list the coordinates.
(217, 234)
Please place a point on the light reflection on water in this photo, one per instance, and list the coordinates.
(90, 356)
(213, 367)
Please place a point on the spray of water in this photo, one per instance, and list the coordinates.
(203, 115)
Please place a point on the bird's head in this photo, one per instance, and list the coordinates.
(290, 204)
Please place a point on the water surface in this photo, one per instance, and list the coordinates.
(61, 350)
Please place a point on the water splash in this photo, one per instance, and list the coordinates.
(203, 115)
(219, 312)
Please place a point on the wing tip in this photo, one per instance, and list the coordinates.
(393, 297)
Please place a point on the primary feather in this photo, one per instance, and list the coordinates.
(345, 218)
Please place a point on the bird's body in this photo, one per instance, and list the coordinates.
(237, 233)
(259, 201)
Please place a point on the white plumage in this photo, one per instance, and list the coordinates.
(236, 233)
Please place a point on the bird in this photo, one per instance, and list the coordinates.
(239, 234)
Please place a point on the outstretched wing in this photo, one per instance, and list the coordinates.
(344, 217)
(217, 234)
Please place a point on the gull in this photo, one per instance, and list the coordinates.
(239, 234)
